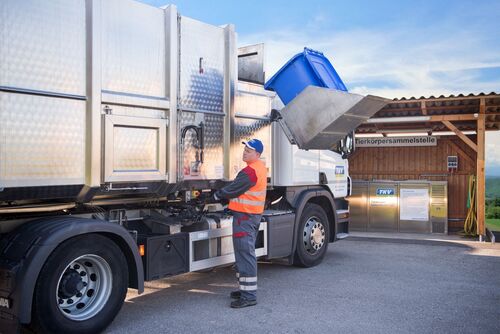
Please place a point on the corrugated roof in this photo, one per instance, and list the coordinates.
(460, 104)
(446, 97)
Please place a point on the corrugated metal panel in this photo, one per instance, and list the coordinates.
(459, 96)
(443, 105)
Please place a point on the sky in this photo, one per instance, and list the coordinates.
(388, 48)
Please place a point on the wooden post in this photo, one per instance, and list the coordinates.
(480, 190)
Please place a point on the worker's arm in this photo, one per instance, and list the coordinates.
(245, 179)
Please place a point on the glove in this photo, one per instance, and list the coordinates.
(213, 198)
(218, 197)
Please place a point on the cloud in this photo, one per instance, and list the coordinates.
(399, 62)
(414, 61)
(492, 153)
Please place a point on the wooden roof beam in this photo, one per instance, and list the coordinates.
(460, 135)
(462, 153)
(428, 118)
(432, 108)
(424, 108)
(466, 117)
(417, 119)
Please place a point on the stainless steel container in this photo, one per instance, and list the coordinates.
(399, 206)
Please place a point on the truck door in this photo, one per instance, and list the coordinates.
(135, 96)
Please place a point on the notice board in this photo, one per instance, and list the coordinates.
(414, 204)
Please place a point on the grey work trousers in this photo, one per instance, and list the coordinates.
(245, 229)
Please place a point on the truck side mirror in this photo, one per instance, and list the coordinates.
(347, 145)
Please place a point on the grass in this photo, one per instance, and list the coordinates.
(492, 187)
(493, 224)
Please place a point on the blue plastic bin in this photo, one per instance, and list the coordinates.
(304, 69)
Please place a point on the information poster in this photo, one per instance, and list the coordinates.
(414, 204)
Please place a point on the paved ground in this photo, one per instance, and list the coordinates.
(364, 285)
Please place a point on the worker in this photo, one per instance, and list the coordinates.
(247, 196)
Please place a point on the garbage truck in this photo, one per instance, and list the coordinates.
(118, 121)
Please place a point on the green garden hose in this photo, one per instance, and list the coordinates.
(470, 224)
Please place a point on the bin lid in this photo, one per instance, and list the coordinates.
(318, 117)
(324, 69)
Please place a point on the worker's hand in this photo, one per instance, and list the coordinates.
(212, 198)
(218, 198)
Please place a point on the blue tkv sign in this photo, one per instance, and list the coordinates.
(339, 170)
(385, 192)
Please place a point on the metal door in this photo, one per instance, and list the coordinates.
(134, 148)
(358, 206)
(383, 207)
(201, 66)
(439, 206)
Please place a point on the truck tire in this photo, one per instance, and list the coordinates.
(81, 286)
(312, 236)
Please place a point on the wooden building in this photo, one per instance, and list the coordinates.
(467, 117)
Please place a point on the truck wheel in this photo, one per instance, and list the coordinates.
(81, 287)
(312, 236)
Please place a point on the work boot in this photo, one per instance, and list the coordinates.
(235, 294)
(242, 302)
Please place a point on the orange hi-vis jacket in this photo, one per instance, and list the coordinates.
(252, 201)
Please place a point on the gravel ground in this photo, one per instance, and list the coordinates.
(364, 285)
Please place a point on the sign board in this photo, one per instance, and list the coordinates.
(339, 171)
(385, 191)
(384, 197)
(396, 141)
(414, 204)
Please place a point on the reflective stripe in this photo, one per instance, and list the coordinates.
(248, 279)
(256, 193)
(248, 201)
(254, 199)
(248, 287)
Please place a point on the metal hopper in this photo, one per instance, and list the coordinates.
(318, 117)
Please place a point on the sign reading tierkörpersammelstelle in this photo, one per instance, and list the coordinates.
(396, 141)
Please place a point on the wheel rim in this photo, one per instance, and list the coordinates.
(84, 287)
(314, 235)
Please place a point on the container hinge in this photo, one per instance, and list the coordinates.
(276, 117)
